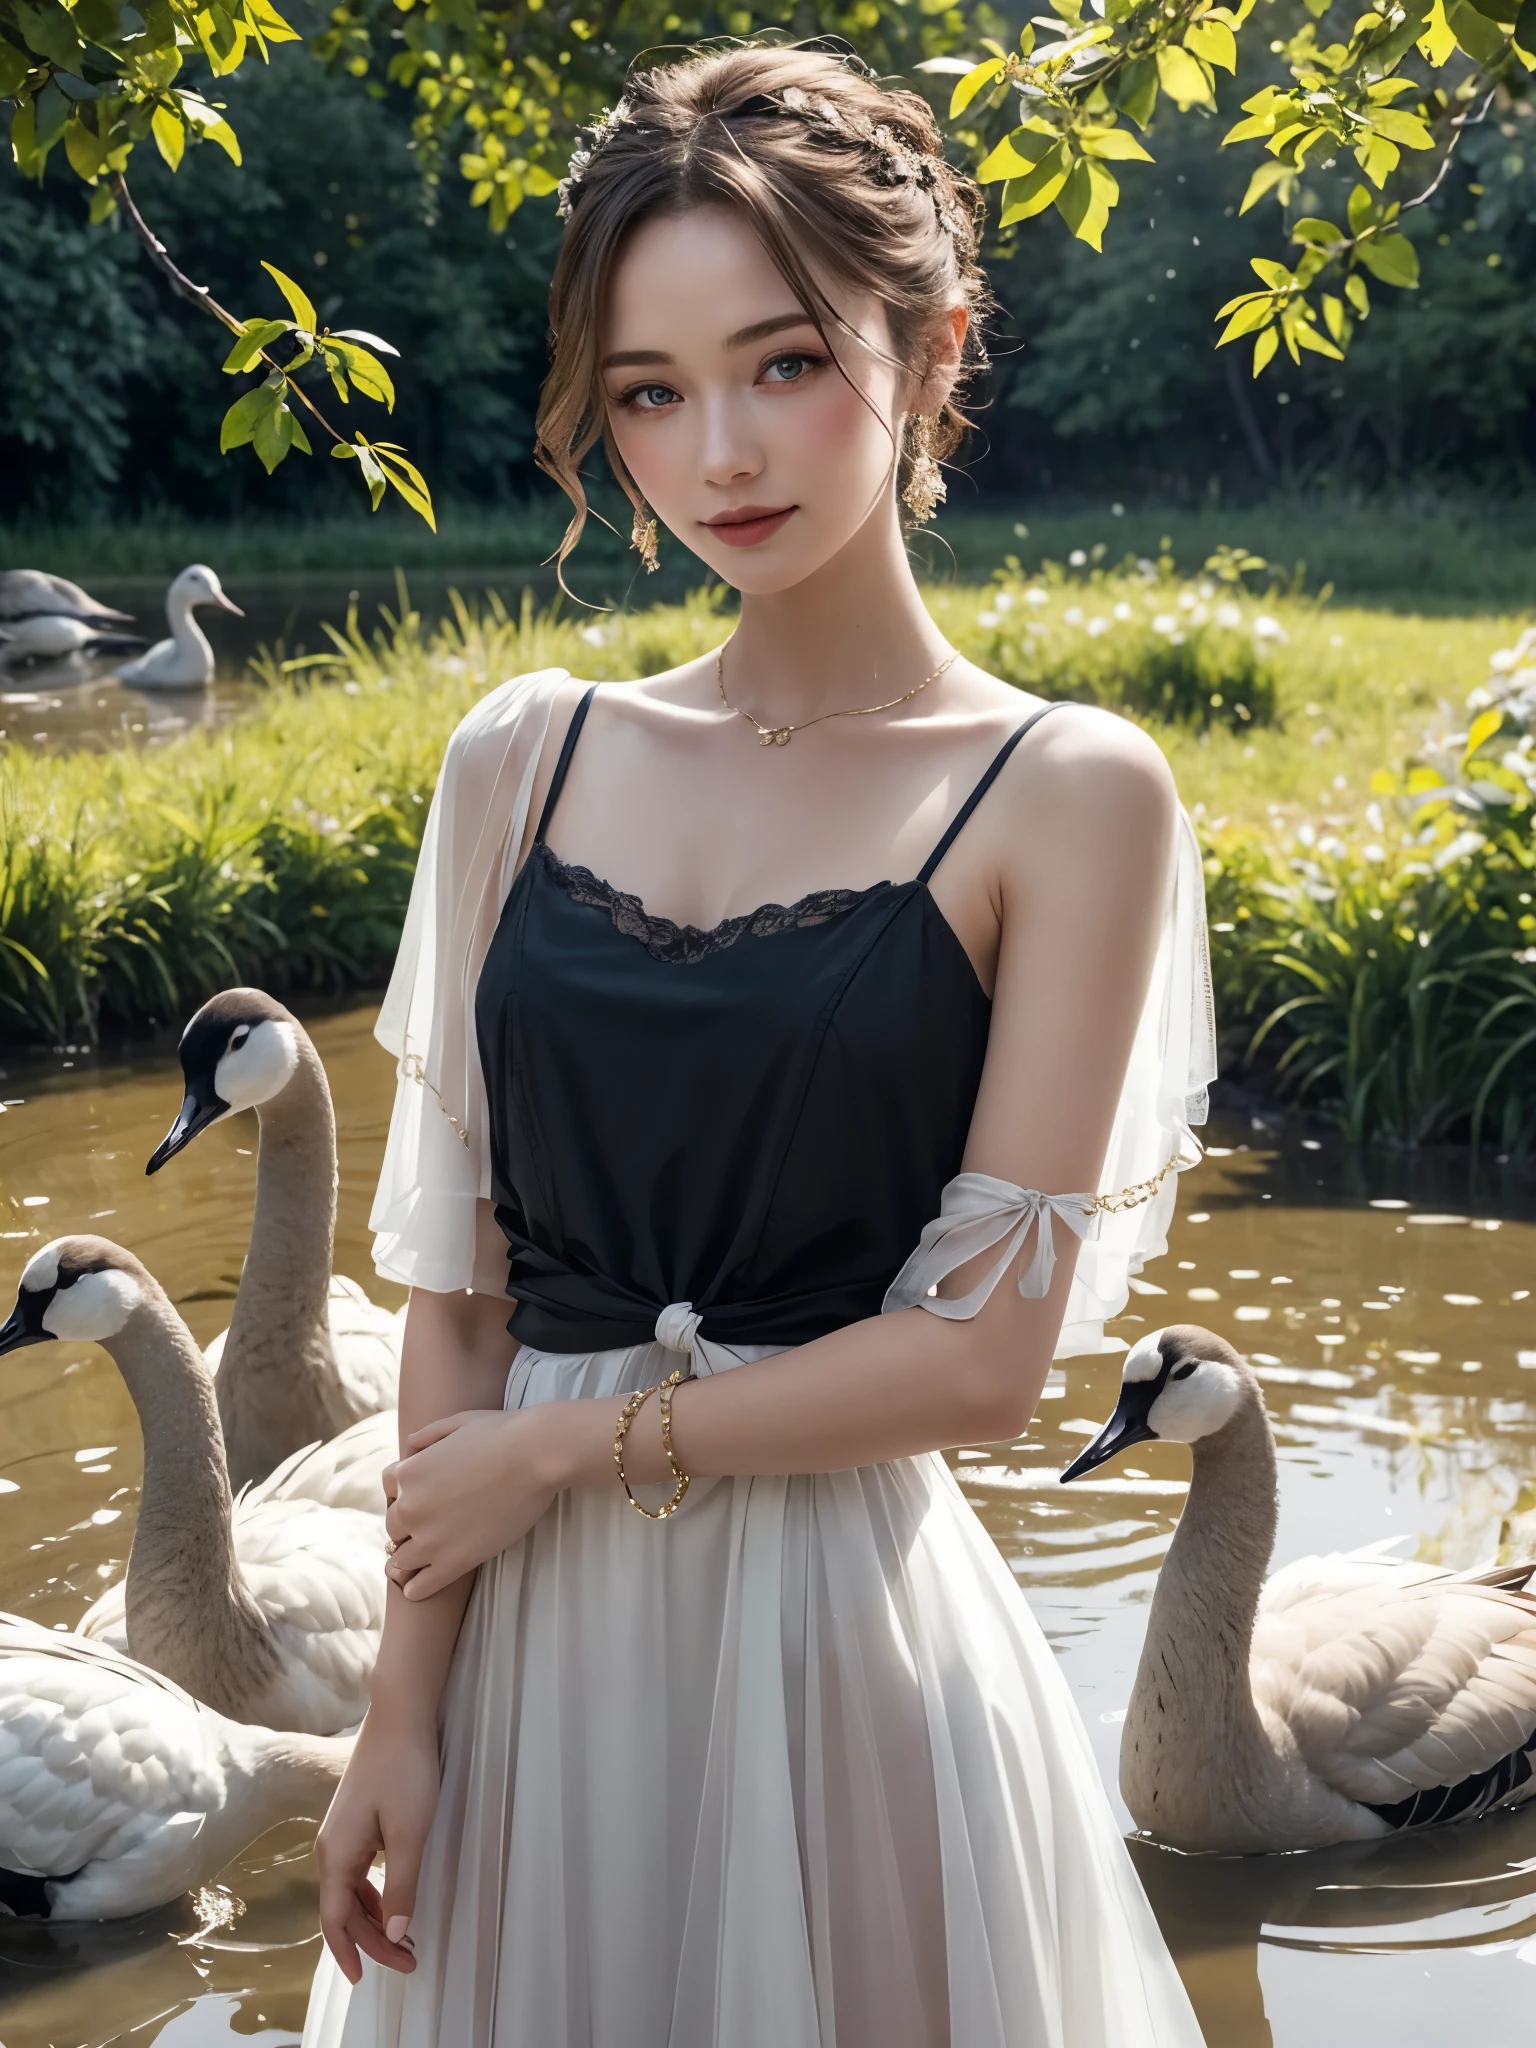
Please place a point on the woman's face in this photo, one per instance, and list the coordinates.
(751, 444)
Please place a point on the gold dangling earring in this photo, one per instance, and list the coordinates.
(926, 489)
(642, 538)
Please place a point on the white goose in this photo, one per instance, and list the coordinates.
(118, 1792)
(54, 636)
(33, 593)
(185, 661)
(1344, 1699)
(306, 1352)
(268, 1609)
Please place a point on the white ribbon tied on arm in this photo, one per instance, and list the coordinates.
(978, 1212)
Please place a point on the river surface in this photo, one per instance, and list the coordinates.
(1387, 1306)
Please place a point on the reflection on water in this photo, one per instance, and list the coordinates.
(1390, 1316)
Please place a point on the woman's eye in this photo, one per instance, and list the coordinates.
(649, 397)
(788, 369)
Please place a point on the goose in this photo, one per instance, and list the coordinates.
(268, 1610)
(54, 636)
(33, 593)
(1345, 1699)
(306, 1352)
(118, 1792)
(185, 661)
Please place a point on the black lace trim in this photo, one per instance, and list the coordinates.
(686, 943)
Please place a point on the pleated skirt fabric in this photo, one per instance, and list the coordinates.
(793, 1769)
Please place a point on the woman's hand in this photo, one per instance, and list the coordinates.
(384, 1804)
(472, 1485)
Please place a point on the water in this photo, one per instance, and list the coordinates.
(1391, 1340)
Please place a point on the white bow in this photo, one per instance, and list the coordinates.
(977, 1211)
(677, 1327)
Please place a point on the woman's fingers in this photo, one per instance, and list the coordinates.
(390, 1477)
(434, 1432)
(402, 1869)
(404, 1563)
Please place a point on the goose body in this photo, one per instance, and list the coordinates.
(1346, 1698)
(33, 593)
(56, 636)
(185, 661)
(118, 1792)
(306, 1353)
(268, 1611)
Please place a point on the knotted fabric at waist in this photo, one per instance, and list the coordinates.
(560, 1308)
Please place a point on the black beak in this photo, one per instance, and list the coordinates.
(197, 1112)
(24, 1325)
(1128, 1425)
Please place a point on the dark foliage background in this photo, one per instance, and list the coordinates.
(1106, 381)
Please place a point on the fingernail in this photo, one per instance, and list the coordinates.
(397, 1929)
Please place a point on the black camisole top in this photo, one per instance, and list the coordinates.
(757, 1119)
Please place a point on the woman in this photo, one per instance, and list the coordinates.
(718, 993)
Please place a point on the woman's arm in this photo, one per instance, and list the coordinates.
(455, 1357)
(1079, 863)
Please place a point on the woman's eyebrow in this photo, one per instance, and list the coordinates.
(627, 358)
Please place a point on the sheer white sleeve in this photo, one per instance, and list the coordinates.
(429, 1230)
(1173, 1063)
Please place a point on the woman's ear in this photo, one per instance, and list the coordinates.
(947, 349)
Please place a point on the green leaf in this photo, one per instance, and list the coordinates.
(1025, 197)
(1113, 145)
(1337, 318)
(245, 416)
(1275, 275)
(298, 302)
(1242, 299)
(1015, 156)
(1362, 210)
(1258, 312)
(210, 124)
(14, 67)
(407, 480)
(1525, 29)
(253, 337)
(539, 182)
(87, 156)
(1307, 336)
(1393, 259)
(1475, 33)
(1213, 41)
(1378, 158)
(47, 29)
(1085, 200)
(103, 205)
(170, 133)
(1265, 179)
(975, 80)
(1357, 294)
(1438, 41)
(1135, 90)
(1185, 79)
(366, 371)
(1322, 233)
(1402, 127)
(1264, 349)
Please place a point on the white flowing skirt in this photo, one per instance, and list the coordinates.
(793, 1769)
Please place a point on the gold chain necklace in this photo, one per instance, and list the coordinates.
(781, 735)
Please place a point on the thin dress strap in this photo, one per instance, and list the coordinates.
(572, 734)
(999, 761)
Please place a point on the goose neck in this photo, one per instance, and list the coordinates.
(182, 620)
(188, 1612)
(288, 1266)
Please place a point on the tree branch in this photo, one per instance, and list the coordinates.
(195, 294)
(1458, 127)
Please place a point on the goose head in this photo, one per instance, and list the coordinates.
(199, 585)
(240, 1050)
(1178, 1385)
(82, 1289)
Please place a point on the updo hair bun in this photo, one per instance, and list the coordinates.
(832, 170)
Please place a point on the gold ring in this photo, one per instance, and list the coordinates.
(390, 1546)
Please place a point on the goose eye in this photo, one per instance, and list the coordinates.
(238, 1036)
(1182, 1372)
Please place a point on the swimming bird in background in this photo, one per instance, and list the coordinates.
(118, 1792)
(33, 594)
(1344, 1699)
(56, 636)
(267, 1609)
(306, 1353)
(185, 661)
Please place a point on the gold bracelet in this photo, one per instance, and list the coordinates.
(627, 1415)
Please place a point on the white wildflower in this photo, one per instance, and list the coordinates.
(1229, 615)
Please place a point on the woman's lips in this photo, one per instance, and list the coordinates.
(753, 523)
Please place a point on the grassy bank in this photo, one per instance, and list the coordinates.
(1373, 954)
(1412, 555)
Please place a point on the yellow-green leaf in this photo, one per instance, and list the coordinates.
(1085, 199)
(539, 182)
(1307, 336)
(1399, 126)
(1484, 726)
(1258, 312)
(1265, 179)
(1115, 145)
(1264, 349)
(1437, 41)
(170, 135)
(1213, 41)
(1015, 156)
(1185, 79)
(298, 300)
(1024, 197)
(1393, 259)
(976, 80)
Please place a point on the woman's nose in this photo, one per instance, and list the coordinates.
(729, 452)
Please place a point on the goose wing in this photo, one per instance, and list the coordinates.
(317, 1574)
(347, 1472)
(100, 1760)
(1395, 1677)
(365, 1342)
